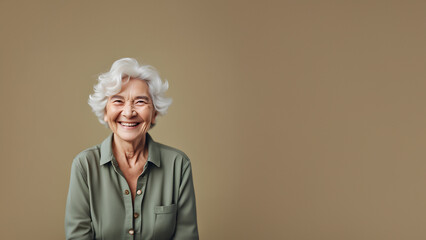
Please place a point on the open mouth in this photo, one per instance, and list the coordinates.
(128, 124)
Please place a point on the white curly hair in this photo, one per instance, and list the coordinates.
(121, 71)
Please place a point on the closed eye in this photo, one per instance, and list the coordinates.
(117, 101)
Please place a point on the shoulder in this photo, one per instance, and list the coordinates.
(88, 157)
(170, 156)
(171, 151)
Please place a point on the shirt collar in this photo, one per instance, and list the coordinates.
(107, 155)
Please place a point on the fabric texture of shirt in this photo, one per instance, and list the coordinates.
(100, 205)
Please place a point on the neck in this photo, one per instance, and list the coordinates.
(131, 152)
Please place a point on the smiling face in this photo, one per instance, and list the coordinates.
(130, 112)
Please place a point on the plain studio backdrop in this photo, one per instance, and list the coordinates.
(304, 120)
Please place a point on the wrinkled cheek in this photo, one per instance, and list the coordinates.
(145, 127)
(112, 126)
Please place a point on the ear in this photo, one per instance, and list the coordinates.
(105, 116)
(154, 117)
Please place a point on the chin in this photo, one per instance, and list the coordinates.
(129, 137)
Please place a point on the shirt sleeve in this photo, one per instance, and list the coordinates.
(186, 224)
(77, 212)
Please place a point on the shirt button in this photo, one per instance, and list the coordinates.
(126, 192)
(139, 192)
(136, 215)
(131, 232)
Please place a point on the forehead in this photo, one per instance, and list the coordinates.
(135, 86)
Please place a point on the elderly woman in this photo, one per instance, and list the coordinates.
(129, 186)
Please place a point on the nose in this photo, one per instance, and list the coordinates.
(128, 111)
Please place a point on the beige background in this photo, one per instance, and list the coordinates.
(303, 120)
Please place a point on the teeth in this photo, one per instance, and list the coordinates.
(129, 124)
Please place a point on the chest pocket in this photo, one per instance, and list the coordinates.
(165, 222)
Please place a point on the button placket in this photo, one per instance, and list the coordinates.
(127, 201)
(128, 205)
(137, 214)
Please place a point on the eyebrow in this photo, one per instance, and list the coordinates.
(138, 97)
(142, 97)
(116, 96)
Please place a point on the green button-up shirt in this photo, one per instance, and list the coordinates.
(100, 206)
